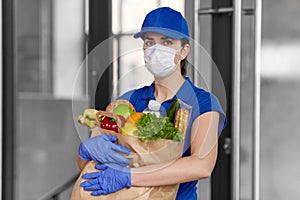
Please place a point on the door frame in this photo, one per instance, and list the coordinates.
(8, 100)
(100, 20)
(226, 53)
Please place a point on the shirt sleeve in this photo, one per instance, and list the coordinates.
(126, 95)
(209, 102)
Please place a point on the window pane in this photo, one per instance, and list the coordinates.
(176, 5)
(68, 46)
(49, 41)
(128, 16)
(132, 13)
(28, 47)
(132, 71)
(280, 101)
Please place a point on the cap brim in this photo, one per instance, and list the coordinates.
(167, 32)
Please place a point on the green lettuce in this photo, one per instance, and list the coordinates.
(155, 127)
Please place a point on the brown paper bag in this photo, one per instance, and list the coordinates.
(142, 154)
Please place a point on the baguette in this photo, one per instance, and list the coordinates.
(181, 120)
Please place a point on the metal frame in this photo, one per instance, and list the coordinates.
(256, 101)
(1, 97)
(236, 99)
(237, 12)
(196, 38)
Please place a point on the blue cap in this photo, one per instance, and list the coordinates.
(165, 21)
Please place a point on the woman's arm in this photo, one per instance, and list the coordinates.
(81, 163)
(204, 138)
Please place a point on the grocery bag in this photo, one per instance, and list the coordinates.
(142, 154)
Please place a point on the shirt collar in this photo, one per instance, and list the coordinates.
(149, 93)
(185, 91)
(182, 93)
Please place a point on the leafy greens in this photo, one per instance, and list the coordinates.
(155, 127)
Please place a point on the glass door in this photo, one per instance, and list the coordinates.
(48, 42)
(213, 32)
(230, 32)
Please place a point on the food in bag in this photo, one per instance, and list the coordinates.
(152, 140)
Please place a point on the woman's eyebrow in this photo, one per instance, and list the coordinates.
(148, 38)
(166, 38)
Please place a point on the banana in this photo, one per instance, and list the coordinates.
(90, 123)
(88, 118)
(90, 114)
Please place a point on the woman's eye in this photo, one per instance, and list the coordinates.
(148, 43)
(167, 42)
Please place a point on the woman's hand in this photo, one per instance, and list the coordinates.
(112, 178)
(103, 149)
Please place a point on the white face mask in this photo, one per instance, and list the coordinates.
(159, 60)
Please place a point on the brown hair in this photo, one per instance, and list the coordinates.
(184, 62)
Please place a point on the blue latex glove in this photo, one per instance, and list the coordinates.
(111, 179)
(103, 149)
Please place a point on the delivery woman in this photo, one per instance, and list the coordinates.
(166, 46)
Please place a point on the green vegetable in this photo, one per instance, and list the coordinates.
(153, 127)
(172, 110)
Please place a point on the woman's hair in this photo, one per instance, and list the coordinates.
(184, 62)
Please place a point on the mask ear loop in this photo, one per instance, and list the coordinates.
(178, 54)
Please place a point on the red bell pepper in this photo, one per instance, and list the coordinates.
(109, 124)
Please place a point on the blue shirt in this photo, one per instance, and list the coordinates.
(201, 102)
